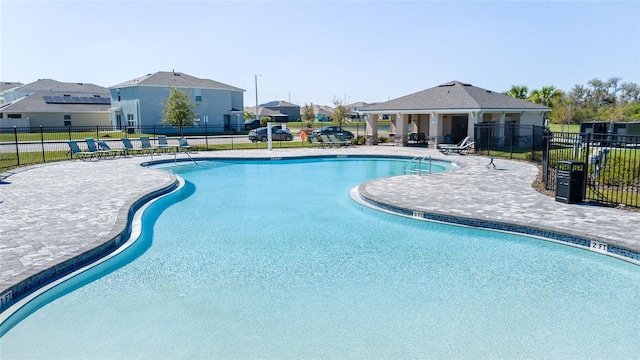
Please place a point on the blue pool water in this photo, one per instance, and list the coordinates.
(272, 259)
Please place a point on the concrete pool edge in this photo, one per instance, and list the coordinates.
(583, 241)
(35, 279)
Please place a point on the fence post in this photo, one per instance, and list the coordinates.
(42, 144)
(546, 141)
(206, 135)
(69, 131)
(15, 137)
(97, 132)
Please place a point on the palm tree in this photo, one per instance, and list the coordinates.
(547, 96)
(517, 91)
(248, 115)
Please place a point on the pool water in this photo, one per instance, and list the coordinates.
(272, 259)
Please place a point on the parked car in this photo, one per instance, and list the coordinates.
(333, 130)
(277, 134)
(252, 124)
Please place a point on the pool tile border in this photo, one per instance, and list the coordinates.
(569, 239)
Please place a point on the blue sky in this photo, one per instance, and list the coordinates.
(312, 51)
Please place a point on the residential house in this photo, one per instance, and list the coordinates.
(450, 110)
(6, 86)
(291, 110)
(139, 102)
(275, 115)
(49, 102)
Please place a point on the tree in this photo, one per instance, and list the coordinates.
(546, 96)
(179, 109)
(264, 120)
(340, 112)
(518, 92)
(248, 115)
(308, 114)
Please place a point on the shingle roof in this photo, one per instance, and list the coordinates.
(175, 79)
(455, 95)
(7, 85)
(36, 103)
(279, 103)
(63, 87)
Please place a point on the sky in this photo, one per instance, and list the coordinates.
(320, 51)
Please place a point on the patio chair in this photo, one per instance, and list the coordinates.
(325, 140)
(128, 146)
(344, 139)
(82, 155)
(460, 150)
(315, 142)
(93, 147)
(105, 147)
(162, 143)
(146, 145)
(444, 147)
(335, 140)
(422, 138)
(183, 145)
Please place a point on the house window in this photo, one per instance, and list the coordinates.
(14, 116)
(130, 120)
(67, 117)
(198, 98)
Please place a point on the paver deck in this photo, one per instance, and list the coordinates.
(52, 211)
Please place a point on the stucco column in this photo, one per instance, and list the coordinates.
(434, 127)
(371, 131)
(401, 130)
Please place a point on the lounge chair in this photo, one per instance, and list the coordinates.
(315, 142)
(82, 155)
(443, 147)
(93, 147)
(105, 147)
(183, 145)
(422, 138)
(460, 150)
(146, 145)
(162, 143)
(325, 140)
(335, 140)
(128, 146)
(344, 139)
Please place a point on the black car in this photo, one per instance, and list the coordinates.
(333, 130)
(252, 124)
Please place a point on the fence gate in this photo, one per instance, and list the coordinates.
(613, 165)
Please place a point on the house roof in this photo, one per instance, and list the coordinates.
(36, 102)
(175, 79)
(7, 85)
(279, 103)
(62, 87)
(455, 95)
(263, 111)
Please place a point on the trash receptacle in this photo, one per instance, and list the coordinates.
(131, 130)
(570, 181)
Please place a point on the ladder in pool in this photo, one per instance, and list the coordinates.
(415, 165)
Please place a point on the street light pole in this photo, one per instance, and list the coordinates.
(256, 79)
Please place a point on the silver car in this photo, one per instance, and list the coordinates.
(277, 134)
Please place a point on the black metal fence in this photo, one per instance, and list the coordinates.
(21, 146)
(510, 140)
(612, 165)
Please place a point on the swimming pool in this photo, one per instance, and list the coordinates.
(272, 259)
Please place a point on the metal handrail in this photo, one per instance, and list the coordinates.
(419, 163)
